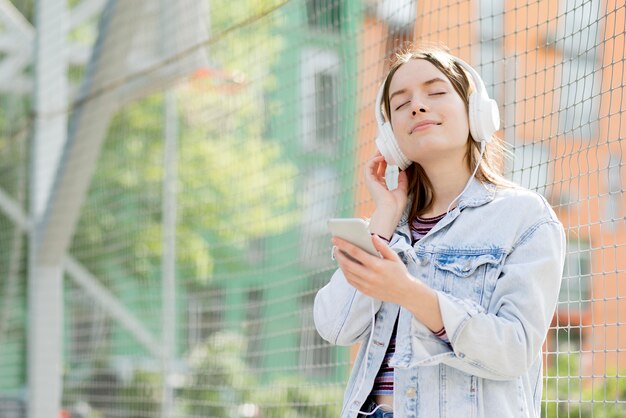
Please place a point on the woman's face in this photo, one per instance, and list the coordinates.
(428, 116)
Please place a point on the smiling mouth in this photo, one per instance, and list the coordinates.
(424, 126)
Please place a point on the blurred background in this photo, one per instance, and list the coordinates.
(167, 169)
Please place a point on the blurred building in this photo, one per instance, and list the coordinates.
(559, 80)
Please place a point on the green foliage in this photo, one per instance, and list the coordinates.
(14, 132)
(219, 378)
(101, 394)
(221, 383)
(250, 50)
(141, 397)
(242, 180)
(293, 397)
(233, 184)
(566, 394)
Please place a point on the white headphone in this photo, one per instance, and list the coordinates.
(484, 120)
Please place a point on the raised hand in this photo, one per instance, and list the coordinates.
(390, 204)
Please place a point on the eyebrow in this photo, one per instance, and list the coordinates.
(425, 84)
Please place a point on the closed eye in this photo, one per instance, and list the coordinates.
(398, 108)
(438, 93)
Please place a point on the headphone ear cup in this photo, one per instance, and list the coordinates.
(386, 140)
(388, 146)
(484, 117)
(383, 143)
(473, 114)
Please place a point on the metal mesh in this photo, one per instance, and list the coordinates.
(205, 145)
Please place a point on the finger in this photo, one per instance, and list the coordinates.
(373, 169)
(376, 171)
(376, 159)
(350, 249)
(348, 256)
(383, 248)
(382, 168)
(352, 270)
(367, 262)
(376, 154)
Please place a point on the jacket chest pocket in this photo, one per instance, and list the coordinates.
(469, 275)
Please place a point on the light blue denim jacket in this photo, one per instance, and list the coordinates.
(496, 263)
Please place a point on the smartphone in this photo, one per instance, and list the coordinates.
(353, 230)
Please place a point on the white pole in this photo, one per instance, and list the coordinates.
(169, 251)
(45, 280)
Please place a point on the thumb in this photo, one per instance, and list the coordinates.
(383, 248)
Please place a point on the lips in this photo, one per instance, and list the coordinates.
(425, 124)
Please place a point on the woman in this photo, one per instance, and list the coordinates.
(469, 269)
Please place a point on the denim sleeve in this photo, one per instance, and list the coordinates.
(503, 341)
(342, 314)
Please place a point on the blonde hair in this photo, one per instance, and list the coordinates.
(492, 164)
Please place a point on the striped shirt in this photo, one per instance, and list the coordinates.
(383, 384)
(422, 226)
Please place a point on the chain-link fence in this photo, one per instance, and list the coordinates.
(168, 168)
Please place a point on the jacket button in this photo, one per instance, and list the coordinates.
(424, 261)
(461, 355)
(411, 392)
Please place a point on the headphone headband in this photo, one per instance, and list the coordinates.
(478, 81)
(483, 115)
(379, 102)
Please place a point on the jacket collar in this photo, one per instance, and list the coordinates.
(477, 194)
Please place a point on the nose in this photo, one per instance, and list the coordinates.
(419, 108)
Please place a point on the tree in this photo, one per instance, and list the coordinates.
(220, 384)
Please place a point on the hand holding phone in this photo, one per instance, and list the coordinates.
(355, 231)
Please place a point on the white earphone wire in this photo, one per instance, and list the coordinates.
(480, 159)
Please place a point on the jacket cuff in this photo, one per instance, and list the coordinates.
(455, 313)
(400, 242)
(426, 348)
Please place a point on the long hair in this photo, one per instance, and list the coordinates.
(492, 164)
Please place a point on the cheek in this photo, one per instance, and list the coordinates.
(459, 122)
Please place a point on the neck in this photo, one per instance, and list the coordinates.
(448, 182)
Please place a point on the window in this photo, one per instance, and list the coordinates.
(324, 14)
(320, 101)
(319, 199)
(577, 38)
(400, 16)
(253, 326)
(613, 207)
(12, 407)
(325, 107)
(529, 167)
(568, 340)
(575, 292)
(204, 311)
(491, 58)
(316, 355)
(89, 328)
